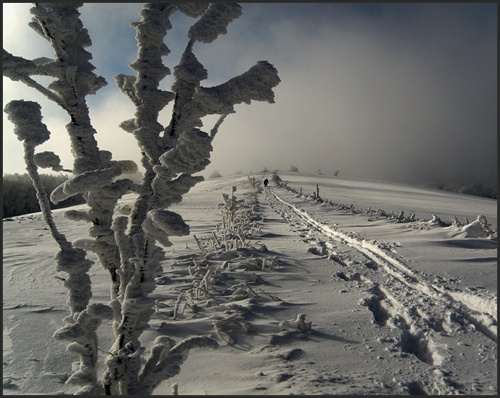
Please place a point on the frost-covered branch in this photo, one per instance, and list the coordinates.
(59, 23)
(20, 69)
(49, 159)
(215, 129)
(27, 119)
(255, 84)
(214, 22)
(83, 335)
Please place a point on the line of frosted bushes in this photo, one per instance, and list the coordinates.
(469, 189)
(19, 195)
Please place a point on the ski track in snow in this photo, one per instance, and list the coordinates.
(469, 306)
(425, 312)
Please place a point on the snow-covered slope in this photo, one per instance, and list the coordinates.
(399, 303)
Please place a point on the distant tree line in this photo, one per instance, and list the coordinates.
(469, 189)
(19, 195)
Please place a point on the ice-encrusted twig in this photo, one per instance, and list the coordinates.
(83, 335)
(27, 119)
(59, 23)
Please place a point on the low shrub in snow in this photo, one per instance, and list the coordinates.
(255, 183)
(238, 223)
(224, 275)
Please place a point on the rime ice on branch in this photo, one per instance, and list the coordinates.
(171, 155)
(27, 119)
(126, 246)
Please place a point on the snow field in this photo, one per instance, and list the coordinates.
(384, 320)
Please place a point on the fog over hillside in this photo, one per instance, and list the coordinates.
(386, 91)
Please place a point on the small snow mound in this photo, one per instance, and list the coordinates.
(479, 228)
(435, 222)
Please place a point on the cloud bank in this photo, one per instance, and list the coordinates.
(394, 92)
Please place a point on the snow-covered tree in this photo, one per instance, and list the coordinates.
(129, 246)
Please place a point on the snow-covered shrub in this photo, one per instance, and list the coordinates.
(479, 228)
(237, 222)
(126, 245)
(255, 183)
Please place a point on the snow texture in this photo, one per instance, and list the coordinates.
(214, 22)
(191, 154)
(255, 84)
(192, 10)
(48, 160)
(395, 309)
(27, 119)
(478, 228)
(87, 181)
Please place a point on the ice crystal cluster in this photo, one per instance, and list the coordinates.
(129, 247)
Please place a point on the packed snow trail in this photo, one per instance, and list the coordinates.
(480, 312)
(433, 320)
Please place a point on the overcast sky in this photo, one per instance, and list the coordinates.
(398, 92)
